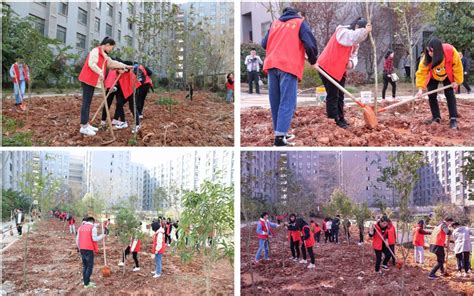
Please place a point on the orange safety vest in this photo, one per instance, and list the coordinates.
(85, 238)
(88, 76)
(264, 228)
(295, 235)
(377, 242)
(438, 236)
(137, 246)
(16, 69)
(126, 83)
(418, 238)
(391, 234)
(310, 241)
(285, 50)
(163, 244)
(448, 51)
(147, 78)
(334, 58)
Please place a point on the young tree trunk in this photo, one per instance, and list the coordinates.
(374, 48)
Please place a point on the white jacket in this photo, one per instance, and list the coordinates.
(462, 240)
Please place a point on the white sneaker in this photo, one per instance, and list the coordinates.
(115, 121)
(156, 276)
(153, 272)
(135, 130)
(311, 266)
(120, 264)
(121, 125)
(458, 274)
(93, 128)
(136, 269)
(103, 123)
(302, 261)
(140, 116)
(86, 131)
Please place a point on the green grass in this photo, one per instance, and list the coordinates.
(18, 139)
(10, 125)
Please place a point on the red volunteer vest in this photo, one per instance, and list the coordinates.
(264, 228)
(418, 238)
(334, 58)
(126, 83)
(377, 242)
(88, 76)
(295, 235)
(16, 69)
(72, 221)
(438, 236)
(147, 78)
(85, 238)
(448, 51)
(163, 244)
(392, 235)
(110, 79)
(137, 246)
(310, 241)
(285, 50)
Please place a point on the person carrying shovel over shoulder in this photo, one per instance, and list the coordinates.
(440, 63)
(92, 76)
(20, 75)
(264, 232)
(379, 234)
(86, 241)
(340, 55)
(286, 43)
(438, 244)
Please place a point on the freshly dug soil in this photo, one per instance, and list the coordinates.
(341, 269)
(403, 127)
(205, 121)
(55, 268)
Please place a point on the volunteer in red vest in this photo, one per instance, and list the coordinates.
(315, 227)
(308, 240)
(144, 76)
(391, 239)
(286, 43)
(294, 237)
(264, 233)
(340, 55)
(440, 64)
(106, 226)
(72, 224)
(419, 242)
(159, 246)
(379, 233)
(92, 76)
(438, 243)
(20, 75)
(86, 241)
(133, 247)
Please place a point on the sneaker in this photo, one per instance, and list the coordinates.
(91, 285)
(156, 276)
(140, 116)
(311, 266)
(289, 137)
(341, 123)
(121, 264)
(267, 259)
(453, 124)
(296, 259)
(344, 121)
(93, 128)
(153, 272)
(22, 106)
(433, 120)
(115, 121)
(385, 267)
(432, 277)
(292, 258)
(135, 130)
(136, 269)
(280, 141)
(302, 261)
(121, 125)
(256, 261)
(86, 131)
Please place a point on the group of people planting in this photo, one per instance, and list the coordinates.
(303, 237)
(290, 41)
(87, 239)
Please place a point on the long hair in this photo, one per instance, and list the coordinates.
(438, 53)
(389, 52)
(108, 40)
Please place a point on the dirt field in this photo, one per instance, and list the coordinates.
(206, 121)
(340, 270)
(55, 268)
(405, 128)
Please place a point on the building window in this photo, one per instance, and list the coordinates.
(61, 34)
(41, 3)
(80, 41)
(82, 16)
(108, 30)
(98, 5)
(130, 25)
(97, 25)
(119, 36)
(120, 17)
(110, 10)
(62, 8)
(129, 41)
(38, 23)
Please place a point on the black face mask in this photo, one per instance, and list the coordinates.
(230, 81)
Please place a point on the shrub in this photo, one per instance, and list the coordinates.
(311, 77)
(356, 78)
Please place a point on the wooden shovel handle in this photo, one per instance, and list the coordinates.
(385, 242)
(106, 96)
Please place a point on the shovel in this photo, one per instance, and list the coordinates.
(398, 263)
(105, 101)
(109, 121)
(105, 270)
(369, 114)
(415, 97)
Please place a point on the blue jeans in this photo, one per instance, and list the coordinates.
(262, 245)
(229, 95)
(87, 265)
(158, 258)
(282, 88)
(22, 84)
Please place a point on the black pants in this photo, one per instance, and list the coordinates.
(190, 92)
(463, 261)
(119, 103)
(311, 254)
(378, 257)
(87, 265)
(106, 230)
(334, 98)
(110, 99)
(317, 236)
(134, 255)
(168, 238)
(142, 93)
(327, 236)
(295, 248)
(440, 258)
(87, 94)
(19, 229)
(392, 247)
(451, 99)
(386, 81)
(253, 76)
(407, 71)
(335, 235)
(303, 250)
(465, 83)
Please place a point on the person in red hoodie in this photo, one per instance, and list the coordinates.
(419, 241)
(133, 247)
(391, 239)
(379, 234)
(92, 76)
(86, 242)
(294, 237)
(229, 86)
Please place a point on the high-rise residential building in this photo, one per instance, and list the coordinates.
(136, 183)
(55, 165)
(15, 164)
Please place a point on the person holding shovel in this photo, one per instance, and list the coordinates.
(440, 64)
(286, 43)
(20, 75)
(391, 239)
(264, 232)
(339, 56)
(86, 242)
(438, 244)
(379, 234)
(92, 76)
(419, 242)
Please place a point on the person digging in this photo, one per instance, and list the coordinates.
(379, 235)
(438, 243)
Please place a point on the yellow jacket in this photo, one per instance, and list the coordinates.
(439, 72)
